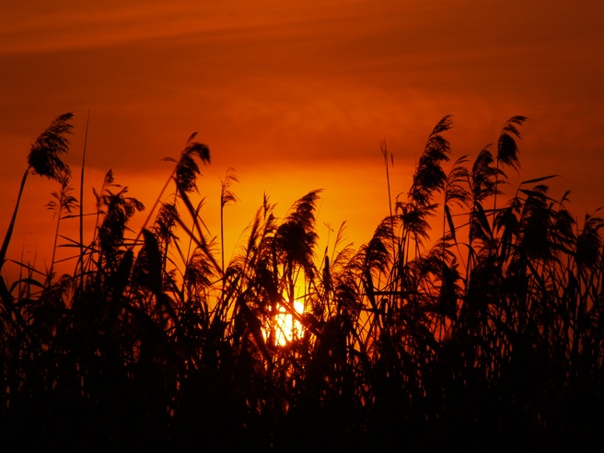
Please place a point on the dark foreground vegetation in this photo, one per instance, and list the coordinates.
(490, 337)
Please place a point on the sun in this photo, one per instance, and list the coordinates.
(284, 326)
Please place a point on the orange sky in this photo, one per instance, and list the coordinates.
(298, 95)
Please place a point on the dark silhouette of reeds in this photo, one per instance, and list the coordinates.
(488, 338)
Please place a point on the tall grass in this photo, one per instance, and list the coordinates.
(489, 336)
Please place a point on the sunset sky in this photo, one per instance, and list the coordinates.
(297, 95)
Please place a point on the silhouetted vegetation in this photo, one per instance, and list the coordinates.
(489, 337)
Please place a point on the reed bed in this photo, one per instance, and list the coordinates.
(487, 334)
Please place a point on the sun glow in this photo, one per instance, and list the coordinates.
(283, 327)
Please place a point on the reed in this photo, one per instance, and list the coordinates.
(489, 335)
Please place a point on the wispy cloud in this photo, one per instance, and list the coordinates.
(30, 27)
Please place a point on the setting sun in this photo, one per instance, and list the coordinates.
(284, 327)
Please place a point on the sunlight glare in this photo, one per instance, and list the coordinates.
(286, 328)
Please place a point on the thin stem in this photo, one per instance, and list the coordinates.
(11, 225)
(82, 203)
